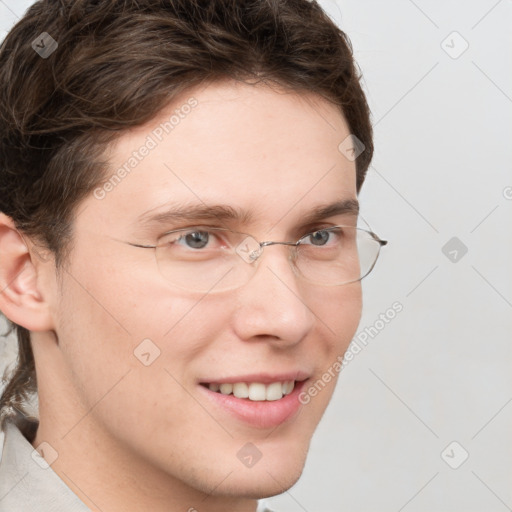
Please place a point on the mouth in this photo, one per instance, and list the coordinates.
(258, 401)
(254, 391)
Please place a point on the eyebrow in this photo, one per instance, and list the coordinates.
(222, 212)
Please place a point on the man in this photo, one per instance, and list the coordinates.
(151, 155)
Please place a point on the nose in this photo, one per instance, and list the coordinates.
(272, 304)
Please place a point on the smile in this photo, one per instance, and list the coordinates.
(258, 400)
(255, 391)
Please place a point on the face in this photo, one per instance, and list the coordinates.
(138, 354)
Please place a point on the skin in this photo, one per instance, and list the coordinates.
(132, 437)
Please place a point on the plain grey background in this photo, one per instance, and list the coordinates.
(422, 415)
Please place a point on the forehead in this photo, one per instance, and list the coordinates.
(269, 152)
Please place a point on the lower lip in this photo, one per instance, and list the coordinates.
(259, 414)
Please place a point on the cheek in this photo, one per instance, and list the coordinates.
(338, 310)
(115, 389)
(109, 325)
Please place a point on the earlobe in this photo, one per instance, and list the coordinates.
(21, 301)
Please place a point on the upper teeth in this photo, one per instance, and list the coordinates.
(255, 390)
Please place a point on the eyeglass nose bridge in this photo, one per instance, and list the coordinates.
(250, 249)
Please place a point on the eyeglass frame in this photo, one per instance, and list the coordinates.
(267, 243)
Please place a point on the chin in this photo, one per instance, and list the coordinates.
(271, 475)
(261, 484)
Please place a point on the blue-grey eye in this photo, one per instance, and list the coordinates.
(197, 239)
(319, 237)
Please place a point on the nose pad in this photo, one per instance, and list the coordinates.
(249, 249)
(293, 259)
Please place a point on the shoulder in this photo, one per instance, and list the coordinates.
(27, 482)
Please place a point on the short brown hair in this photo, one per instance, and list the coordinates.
(117, 64)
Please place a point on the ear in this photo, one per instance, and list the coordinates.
(20, 299)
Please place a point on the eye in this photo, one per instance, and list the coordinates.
(321, 237)
(195, 239)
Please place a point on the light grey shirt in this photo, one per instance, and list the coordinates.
(28, 483)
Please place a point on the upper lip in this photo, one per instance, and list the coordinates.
(264, 378)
